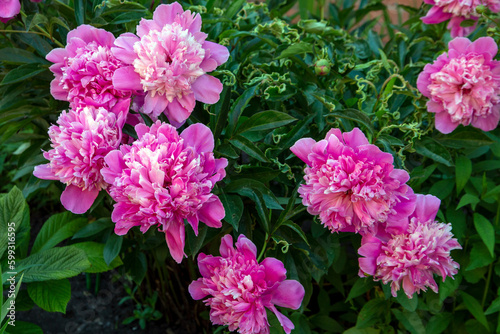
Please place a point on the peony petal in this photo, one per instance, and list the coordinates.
(199, 137)
(207, 89)
(125, 78)
(124, 49)
(436, 15)
(246, 245)
(355, 138)
(196, 289)
(302, 148)
(226, 246)
(44, 172)
(275, 270)
(9, 9)
(427, 207)
(487, 123)
(460, 45)
(211, 213)
(166, 14)
(175, 237)
(76, 200)
(286, 323)
(57, 55)
(218, 52)
(484, 45)
(444, 123)
(57, 91)
(177, 113)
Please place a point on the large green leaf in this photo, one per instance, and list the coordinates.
(474, 308)
(370, 313)
(112, 247)
(53, 264)
(265, 120)
(12, 213)
(430, 148)
(249, 148)
(233, 205)
(52, 296)
(57, 228)
(410, 320)
(296, 49)
(95, 254)
(465, 137)
(19, 56)
(463, 171)
(22, 73)
(23, 327)
(486, 231)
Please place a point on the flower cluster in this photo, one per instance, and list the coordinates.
(240, 289)
(457, 11)
(463, 86)
(354, 187)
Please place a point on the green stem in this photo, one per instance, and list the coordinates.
(486, 287)
(263, 248)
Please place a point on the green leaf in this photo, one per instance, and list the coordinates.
(19, 56)
(233, 205)
(80, 11)
(474, 308)
(465, 137)
(479, 256)
(11, 297)
(234, 8)
(265, 120)
(246, 186)
(410, 320)
(467, 199)
(248, 147)
(463, 171)
(494, 307)
(430, 148)
(486, 231)
(407, 303)
(296, 49)
(53, 263)
(370, 313)
(438, 323)
(127, 17)
(94, 228)
(361, 286)
(57, 228)
(12, 207)
(355, 330)
(296, 228)
(136, 264)
(326, 323)
(94, 252)
(52, 296)
(221, 109)
(354, 115)
(23, 327)
(22, 73)
(112, 247)
(239, 105)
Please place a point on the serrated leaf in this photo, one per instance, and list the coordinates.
(265, 120)
(23, 327)
(463, 171)
(486, 231)
(52, 296)
(94, 252)
(474, 308)
(296, 49)
(430, 148)
(12, 207)
(53, 263)
(57, 228)
(22, 73)
(112, 248)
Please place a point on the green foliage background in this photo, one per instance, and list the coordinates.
(272, 97)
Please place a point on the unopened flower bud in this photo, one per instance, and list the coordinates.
(481, 9)
(322, 67)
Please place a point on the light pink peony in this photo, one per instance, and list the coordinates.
(84, 69)
(80, 141)
(352, 185)
(457, 11)
(464, 85)
(164, 178)
(168, 62)
(409, 260)
(240, 288)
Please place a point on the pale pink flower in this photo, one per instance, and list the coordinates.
(352, 185)
(84, 69)
(410, 259)
(164, 178)
(463, 86)
(80, 141)
(168, 62)
(240, 289)
(457, 11)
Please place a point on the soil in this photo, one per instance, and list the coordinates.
(94, 313)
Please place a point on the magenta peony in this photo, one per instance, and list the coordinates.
(240, 288)
(9, 9)
(80, 142)
(457, 11)
(464, 85)
(352, 185)
(168, 62)
(410, 259)
(84, 69)
(164, 178)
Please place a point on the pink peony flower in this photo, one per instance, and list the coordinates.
(240, 288)
(464, 85)
(410, 259)
(164, 178)
(84, 69)
(80, 141)
(457, 11)
(9, 9)
(168, 62)
(352, 185)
